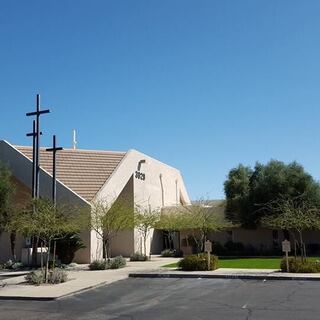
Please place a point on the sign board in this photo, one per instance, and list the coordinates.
(286, 246)
(208, 246)
(28, 241)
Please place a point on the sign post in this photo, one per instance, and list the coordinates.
(286, 247)
(208, 249)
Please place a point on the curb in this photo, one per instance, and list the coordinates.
(221, 276)
(25, 298)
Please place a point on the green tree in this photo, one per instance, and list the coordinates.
(247, 191)
(171, 220)
(7, 210)
(108, 219)
(201, 219)
(145, 221)
(198, 220)
(237, 188)
(48, 222)
(294, 215)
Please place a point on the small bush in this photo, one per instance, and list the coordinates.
(68, 246)
(17, 266)
(198, 262)
(313, 248)
(139, 257)
(173, 253)
(98, 265)
(218, 249)
(117, 262)
(296, 265)
(12, 265)
(57, 276)
(234, 247)
(35, 277)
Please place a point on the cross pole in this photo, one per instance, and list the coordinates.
(33, 134)
(54, 150)
(37, 113)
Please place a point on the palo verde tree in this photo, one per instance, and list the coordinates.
(197, 220)
(109, 218)
(294, 215)
(48, 222)
(249, 190)
(171, 220)
(145, 220)
(7, 210)
(201, 218)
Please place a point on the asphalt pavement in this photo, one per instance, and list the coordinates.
(168, 299)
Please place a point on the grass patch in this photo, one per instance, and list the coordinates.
(247, 263)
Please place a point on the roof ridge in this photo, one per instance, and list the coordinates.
(74, 150)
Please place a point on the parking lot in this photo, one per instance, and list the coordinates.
(179, 299)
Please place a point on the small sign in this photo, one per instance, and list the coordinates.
(28, 241)
(208, 246)
(286, 246)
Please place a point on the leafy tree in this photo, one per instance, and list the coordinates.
(237, 192)
(48, 222)
(108, 219)
(247, 191)
(171, 220)
(295, 215)
(198, 220)
(7, 209)
(145, 221)
(201, 219)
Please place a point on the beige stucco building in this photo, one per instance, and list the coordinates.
(86, 176)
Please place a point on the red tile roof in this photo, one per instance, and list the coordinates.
(83, 171)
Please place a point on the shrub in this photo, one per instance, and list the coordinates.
(117, 262)
(13, 265)
(17, 266)
(98, 265)
(57, 275)
(198, 262)
(139, 257)
(175, 253)
(68, 246)
(296, 265)
(313, 248)
(35, 277)
(234, 247)
(218, 249)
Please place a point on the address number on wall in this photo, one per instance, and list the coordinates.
(140, 175)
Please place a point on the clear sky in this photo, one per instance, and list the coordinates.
(201, 85)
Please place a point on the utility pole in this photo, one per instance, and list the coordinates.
(36, 148)
(54, 150)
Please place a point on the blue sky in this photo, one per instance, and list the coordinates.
(201, 85)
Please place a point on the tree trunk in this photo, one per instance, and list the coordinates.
(106, 249)
(54, 254)
(145, 244)
(47, 263)
(41, 256)
(13, 237)
(35, 242)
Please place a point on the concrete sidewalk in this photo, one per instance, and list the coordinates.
(228, 273)
(79, 281)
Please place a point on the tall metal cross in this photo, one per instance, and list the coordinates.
(54, 150)
(37, 113)
(33, 134)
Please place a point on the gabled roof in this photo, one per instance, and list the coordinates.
(83, 171)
